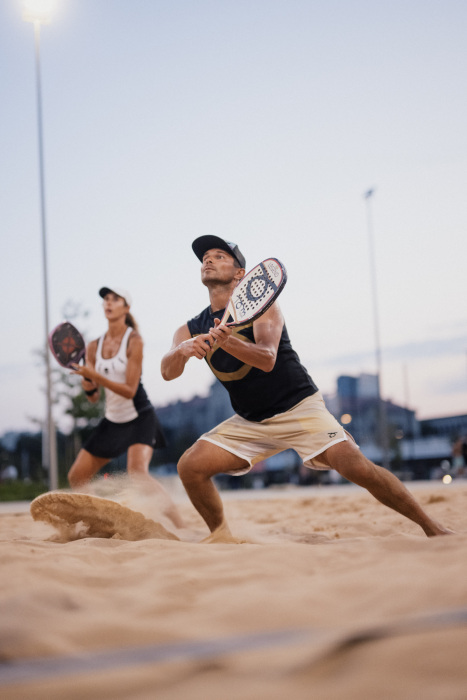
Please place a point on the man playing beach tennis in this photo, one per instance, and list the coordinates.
(277, 405)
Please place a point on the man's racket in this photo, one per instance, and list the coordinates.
(255, 293)
(67, 344)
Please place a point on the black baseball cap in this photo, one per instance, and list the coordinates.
(204, 243)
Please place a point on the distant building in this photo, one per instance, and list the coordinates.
(198, 414)
(452, 427)
(356, 406)
(10, 440)
(415, 447)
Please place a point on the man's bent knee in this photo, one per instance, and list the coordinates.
(204, 460)
(189, 467)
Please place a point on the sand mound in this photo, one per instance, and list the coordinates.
(331, 595)
(77, 515)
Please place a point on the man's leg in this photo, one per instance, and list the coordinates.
(347, 459)
(196, 468)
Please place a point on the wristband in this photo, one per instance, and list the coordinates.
(90, 393)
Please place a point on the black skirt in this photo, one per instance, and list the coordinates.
(113, 439)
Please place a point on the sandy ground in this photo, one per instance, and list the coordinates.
(330, 596)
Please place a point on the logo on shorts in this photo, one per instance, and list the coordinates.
(331, 435)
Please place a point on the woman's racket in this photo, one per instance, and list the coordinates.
(67, 344)
(255, 293)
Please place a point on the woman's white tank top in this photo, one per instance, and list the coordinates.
(118, 409)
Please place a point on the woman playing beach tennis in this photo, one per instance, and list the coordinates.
(114, 361)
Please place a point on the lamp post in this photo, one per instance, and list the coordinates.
(39, 12)
(374, 290)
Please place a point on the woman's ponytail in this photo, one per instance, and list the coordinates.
(130, 321)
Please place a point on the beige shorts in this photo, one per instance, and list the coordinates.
(308, 428)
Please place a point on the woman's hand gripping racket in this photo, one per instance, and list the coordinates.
(67, 345)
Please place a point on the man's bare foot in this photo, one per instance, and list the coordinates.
(435, 529)
(221, 535)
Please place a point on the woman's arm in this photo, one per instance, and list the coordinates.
(89, 387)
(133, 371)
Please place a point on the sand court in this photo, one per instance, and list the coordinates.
(330, 595)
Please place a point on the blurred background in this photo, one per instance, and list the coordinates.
(328, 134)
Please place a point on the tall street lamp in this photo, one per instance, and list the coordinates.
(382, 419)
(39, 12)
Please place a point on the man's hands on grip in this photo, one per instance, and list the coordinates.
(197, 347)
(220, 333)
(203, 343)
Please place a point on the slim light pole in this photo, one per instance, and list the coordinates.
(39, 12)
(374, 293)
(411, 437)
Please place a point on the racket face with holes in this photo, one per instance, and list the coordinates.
(67, 344)
(255, 293)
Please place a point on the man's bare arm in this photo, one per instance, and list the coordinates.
(183, 347)
(263, 352)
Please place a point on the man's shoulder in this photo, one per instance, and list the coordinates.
(201, 318)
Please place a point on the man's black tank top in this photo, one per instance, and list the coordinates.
(256, 395)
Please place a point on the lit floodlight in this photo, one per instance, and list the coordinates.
(38, 10)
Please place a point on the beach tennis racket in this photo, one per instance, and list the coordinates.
(255, 293)
(67, 344)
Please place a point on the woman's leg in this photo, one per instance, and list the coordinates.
(138, 459)
(84, 468)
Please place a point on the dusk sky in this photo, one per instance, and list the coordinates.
(261, 121)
